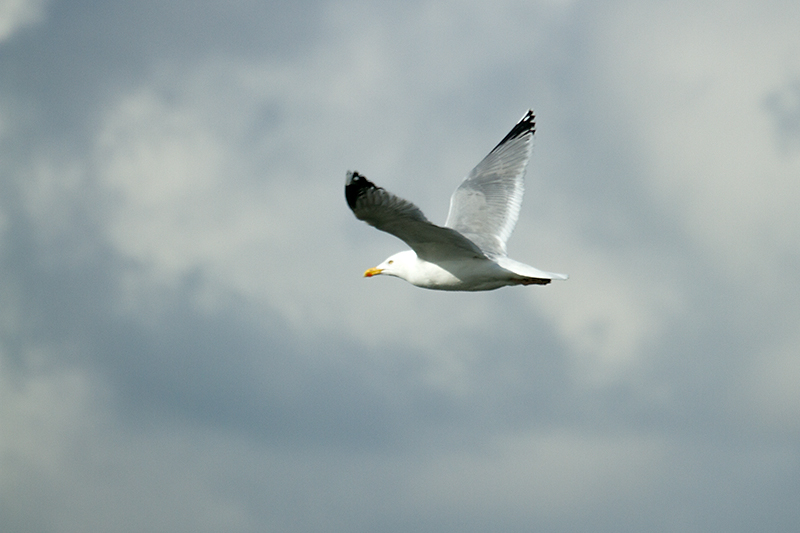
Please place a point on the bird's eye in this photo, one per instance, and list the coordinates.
(391, 261)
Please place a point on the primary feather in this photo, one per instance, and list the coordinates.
(378, 207)
(485, 207)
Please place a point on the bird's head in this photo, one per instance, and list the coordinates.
(396, 265)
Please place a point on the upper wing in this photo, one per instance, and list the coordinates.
(485, 207)
(380, 208)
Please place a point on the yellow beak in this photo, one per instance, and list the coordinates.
(372, 272)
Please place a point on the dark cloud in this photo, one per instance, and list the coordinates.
(84, 51)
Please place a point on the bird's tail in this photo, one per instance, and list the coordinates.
(530, 275)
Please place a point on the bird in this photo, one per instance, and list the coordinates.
(467, 253)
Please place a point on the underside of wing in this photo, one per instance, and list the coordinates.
(486, 205)
(380, 208)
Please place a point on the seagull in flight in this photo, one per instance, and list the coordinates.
(468, 253)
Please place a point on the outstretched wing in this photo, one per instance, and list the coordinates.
(380, 208)
(485, 207)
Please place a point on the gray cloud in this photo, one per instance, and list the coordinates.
(185, 339)
(784, 106)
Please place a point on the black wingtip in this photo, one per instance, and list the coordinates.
(527, 124)
(355, 186)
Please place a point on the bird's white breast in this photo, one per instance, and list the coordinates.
(460, 275)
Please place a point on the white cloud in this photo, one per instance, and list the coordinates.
(613, 310)
(17, 14)
(39, 415)
(692, 79)
(198, 184)
(681, 88)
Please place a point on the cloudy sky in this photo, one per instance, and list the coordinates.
(186, 341)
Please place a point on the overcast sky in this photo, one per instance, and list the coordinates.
(186, 341)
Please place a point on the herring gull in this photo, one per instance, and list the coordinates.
(468, 253)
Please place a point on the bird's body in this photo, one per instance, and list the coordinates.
(468, 253)
(467, 274)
